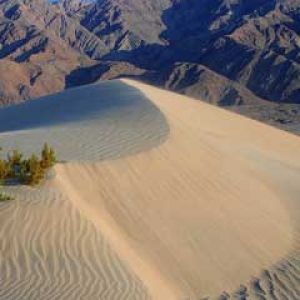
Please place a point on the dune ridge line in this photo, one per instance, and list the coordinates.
(197, 207)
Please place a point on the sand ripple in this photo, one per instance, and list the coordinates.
(49, 251)
(196, 211)
(97, 122)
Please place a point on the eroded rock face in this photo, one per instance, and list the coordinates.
(29, 58)
(231, 53)
(36, 50)
(254, 43)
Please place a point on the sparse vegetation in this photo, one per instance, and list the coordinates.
(4, 197)
(29, 171)
(13, 163)
(4, 170)
(48, 157)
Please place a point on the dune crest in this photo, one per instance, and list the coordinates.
(200, 209)
(99, 122)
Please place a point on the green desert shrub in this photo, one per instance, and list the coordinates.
(15, 157)
(31, 171)
(14, 160)
(27, 171)
(48, 158)
(4, 170)
(4, 197)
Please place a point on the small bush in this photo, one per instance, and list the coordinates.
(4, 170)
(4, 197)
(31, 171)
(14, 161)
(48, 158)
(27, 171)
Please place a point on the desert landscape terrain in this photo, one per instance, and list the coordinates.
(241, 55)
(155, 196)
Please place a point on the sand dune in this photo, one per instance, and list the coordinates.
(49, 251)
(200, 203)
(97, 122)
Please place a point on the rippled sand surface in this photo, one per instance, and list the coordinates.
(160, 197)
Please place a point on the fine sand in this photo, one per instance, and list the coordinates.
(193, 202)
(90, 123)
(50, 251)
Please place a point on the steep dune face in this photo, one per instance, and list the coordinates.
(202, 213)
(100, 122)
(172, 199)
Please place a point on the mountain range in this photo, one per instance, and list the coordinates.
(240, 54)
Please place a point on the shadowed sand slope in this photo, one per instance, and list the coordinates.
(96, 122)
(188, 201)
(48, 250)
(204, 214)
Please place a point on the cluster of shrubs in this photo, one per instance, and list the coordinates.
(4, 197)
(29, 171)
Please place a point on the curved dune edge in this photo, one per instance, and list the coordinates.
(98, 122)
(202, 213)
(47, 248)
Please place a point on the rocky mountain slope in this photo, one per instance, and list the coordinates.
(34, 61)
(236, 53)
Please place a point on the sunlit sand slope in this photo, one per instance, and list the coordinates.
(48, 250)
(213, 211)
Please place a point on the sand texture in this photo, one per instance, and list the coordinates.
(90, 123)
(49, 251)
(160, 197)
